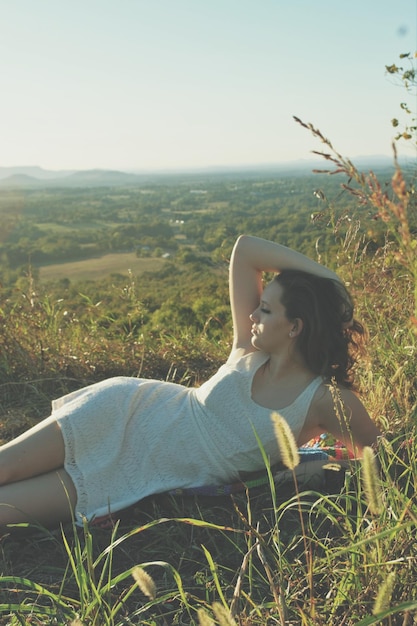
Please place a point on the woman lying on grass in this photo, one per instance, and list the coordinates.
(107, 446)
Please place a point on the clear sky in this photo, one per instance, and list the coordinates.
(148, 84)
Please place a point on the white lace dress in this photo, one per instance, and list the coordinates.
(127, 438)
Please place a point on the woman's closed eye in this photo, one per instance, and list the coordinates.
(264, 310)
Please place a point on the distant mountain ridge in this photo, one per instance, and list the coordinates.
(33, 171)
(37, 177)
(29, 177)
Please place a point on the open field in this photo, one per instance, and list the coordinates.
(74, 227)
(91, 269)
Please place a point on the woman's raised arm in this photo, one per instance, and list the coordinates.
(251, 257)
(269, 256)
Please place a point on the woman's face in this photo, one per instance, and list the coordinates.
(270, 326)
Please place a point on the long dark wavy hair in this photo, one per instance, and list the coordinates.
(331, 339)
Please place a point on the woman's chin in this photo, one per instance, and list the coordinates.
(255, 342)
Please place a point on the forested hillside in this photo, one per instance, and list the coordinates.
(161, 254)
(185, 225)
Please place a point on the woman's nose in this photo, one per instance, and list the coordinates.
(252, 316)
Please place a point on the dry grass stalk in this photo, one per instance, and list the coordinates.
(243, 567)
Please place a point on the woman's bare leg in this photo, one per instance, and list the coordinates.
(47, 500)
(37, 451)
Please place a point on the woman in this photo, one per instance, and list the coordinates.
(109, 445)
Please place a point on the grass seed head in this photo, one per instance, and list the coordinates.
(383, 598)
(204, 619)
(286, 442)
(223, 615)
(145, 582)
(371, 481)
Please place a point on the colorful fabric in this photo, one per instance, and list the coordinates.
(335, 449)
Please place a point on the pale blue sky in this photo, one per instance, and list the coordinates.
(145, 84)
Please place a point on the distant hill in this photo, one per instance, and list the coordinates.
(20, 180)
(33, 171)
(98, 178)
(37, 177)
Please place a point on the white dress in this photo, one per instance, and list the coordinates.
(127, 438)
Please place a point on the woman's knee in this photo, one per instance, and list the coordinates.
(37, 451)
(8, 472)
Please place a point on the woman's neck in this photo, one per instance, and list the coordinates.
(279, 367)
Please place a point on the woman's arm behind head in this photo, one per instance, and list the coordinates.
(251, 257)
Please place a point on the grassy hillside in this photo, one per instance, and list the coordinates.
(343, 553)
